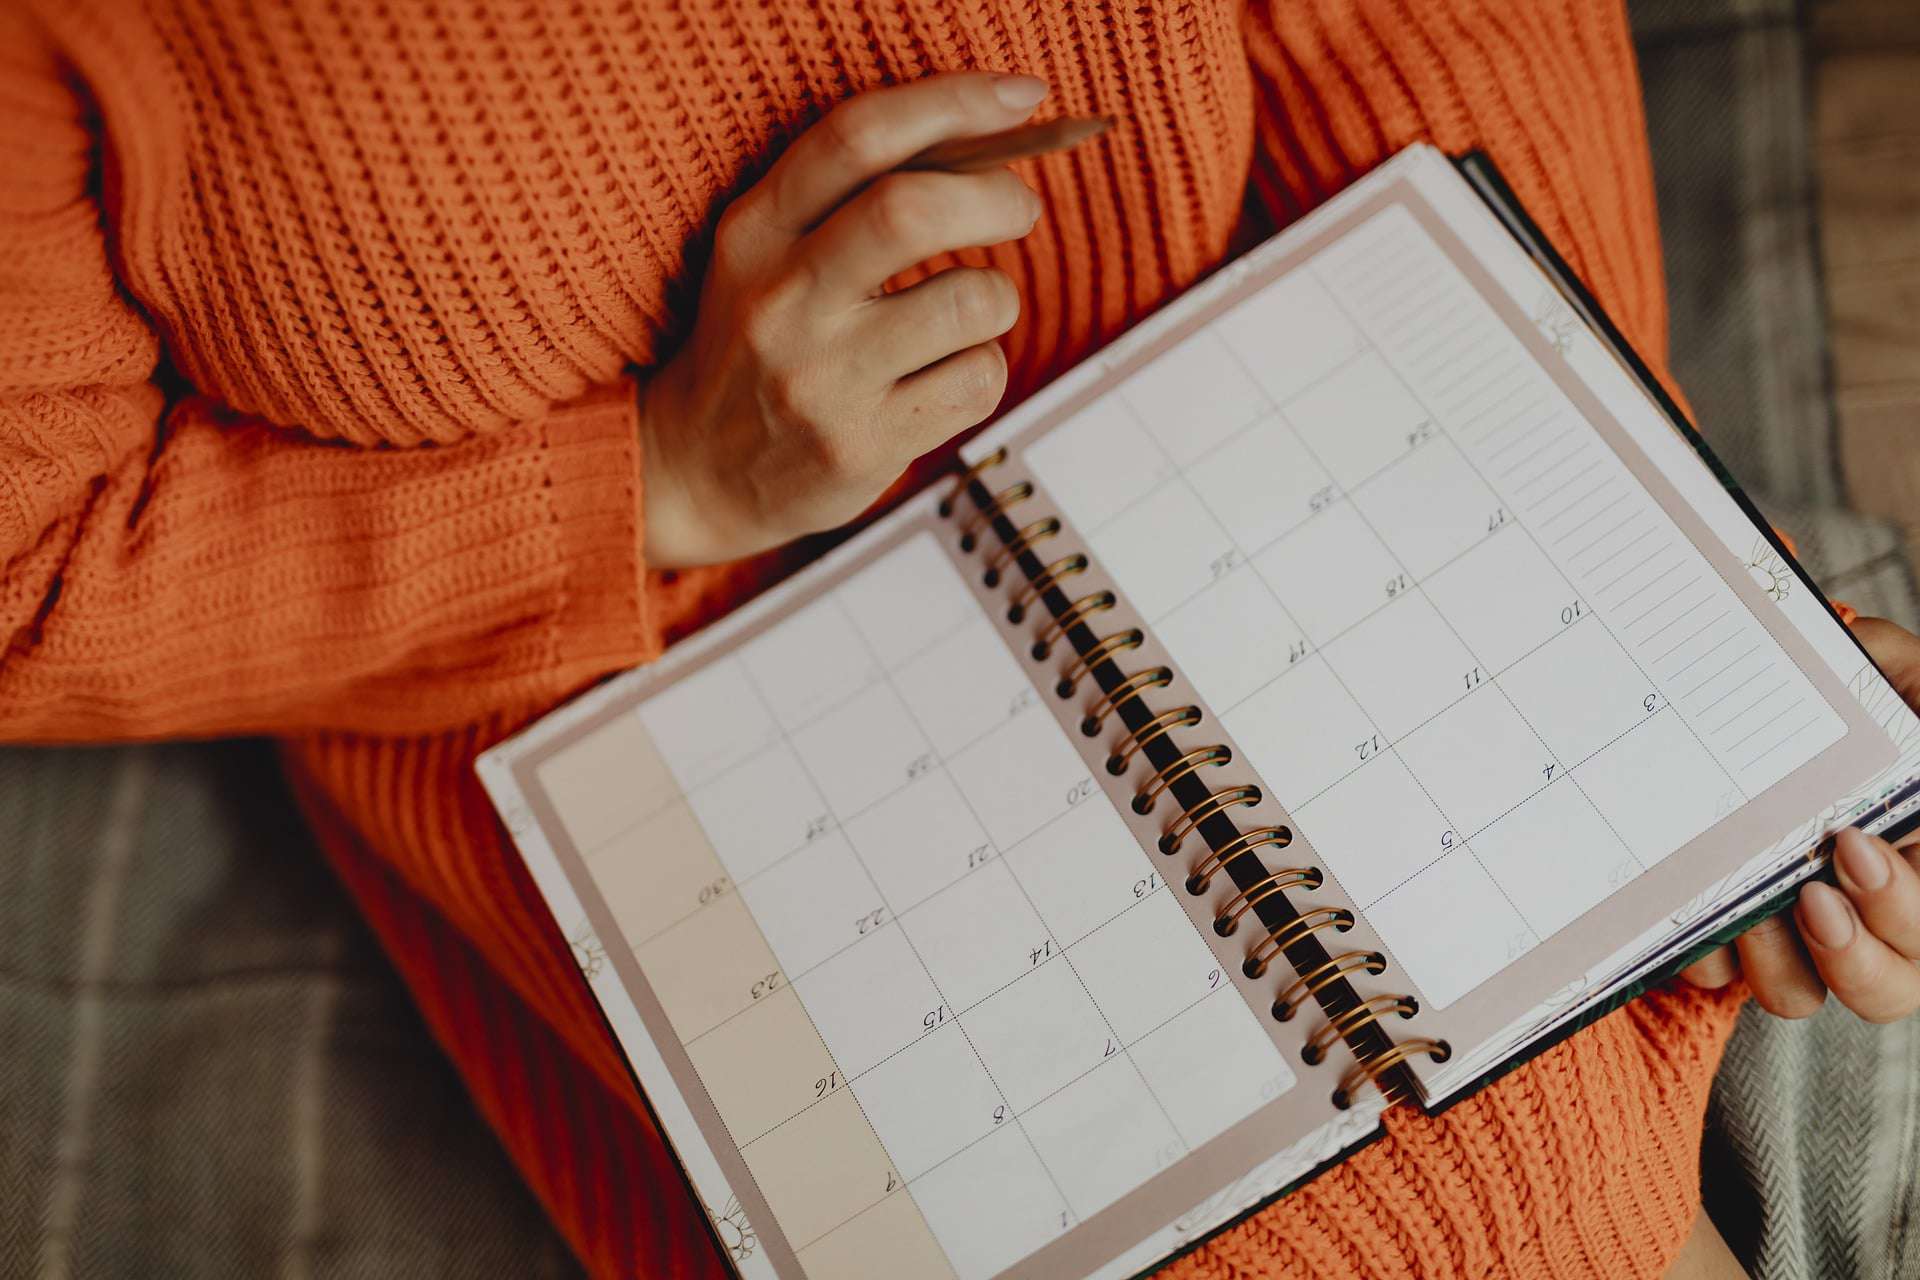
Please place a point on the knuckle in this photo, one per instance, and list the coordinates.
(904, 205)
(855, 131)
(980, 380)
(981, 300)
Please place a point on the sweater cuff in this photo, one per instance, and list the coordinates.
(604, 622)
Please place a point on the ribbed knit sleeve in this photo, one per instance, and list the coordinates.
(189, 570)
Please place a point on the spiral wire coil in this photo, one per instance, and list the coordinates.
(1375, 1068)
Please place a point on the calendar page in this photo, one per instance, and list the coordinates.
(895, 965)
(1451, 587)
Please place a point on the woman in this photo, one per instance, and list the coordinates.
(355, 392)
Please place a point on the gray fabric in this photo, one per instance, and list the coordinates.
(1808, 1165)
(207, 1070)
(206, 1067)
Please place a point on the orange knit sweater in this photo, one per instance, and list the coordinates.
(318, 325)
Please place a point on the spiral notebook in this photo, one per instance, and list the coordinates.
(1343, 686)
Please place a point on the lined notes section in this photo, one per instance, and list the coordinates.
(942, 1001)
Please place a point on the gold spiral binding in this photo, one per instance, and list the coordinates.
(1137, 739)
(1308, 984)
(1370, 1069)
(1202, 875)
(1011, 496)
(1372, 1009)
(1065, 567)
(1301, 926)
(1039, 531)
(1227, 918)
(1079, 611)
(968, 476)
(1194, 760)
(1133, 687)
(1104, 649)
(1126, 691)
(1217, 802)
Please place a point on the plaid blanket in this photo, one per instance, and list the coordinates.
(208, 1071)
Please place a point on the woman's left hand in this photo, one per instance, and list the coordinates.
(1860, 941)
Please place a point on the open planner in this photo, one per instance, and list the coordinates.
(1328, 695)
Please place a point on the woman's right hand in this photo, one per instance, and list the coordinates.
(805, 390)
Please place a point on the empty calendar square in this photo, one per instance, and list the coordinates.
(1303, 732)
(708, 722)
(1403, 664)
(1146, 965)
(1478, 759)
(869, 1000)
(919, 840)
(808, 662)
(1429, 507)
(1162, 549)
(812, 903)
(1657, 786)
(1450, 929)
(1374, 828)
(999, 1181)
(1290, 334)
(963, 686)
(978, 935)
(1230, 639)
(1579, 691)
(863, 749)
(1331, 572)
(1098, 463)
(1504, 597)
(759, 811)
(1212, 1066)
(1555, 857)
(1261, 483)
(1021, 776)
(658, 873)
(1358, 420)
(907, 600)
(1103, 1135)
(603, 783)
(1038, 1034)
(895, 1095)
(1186, 424)
(1082, 870)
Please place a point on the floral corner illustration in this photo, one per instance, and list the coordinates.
(1770, 572)
(588, 951)
(736, 1233)
(1556, 320)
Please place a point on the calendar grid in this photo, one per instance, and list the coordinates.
(1467, 457)
(1392, 746)
(894, 921)
(1065, 956)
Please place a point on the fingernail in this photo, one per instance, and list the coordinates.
(1860, 860)
(1827, 916)
(1020, 93)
